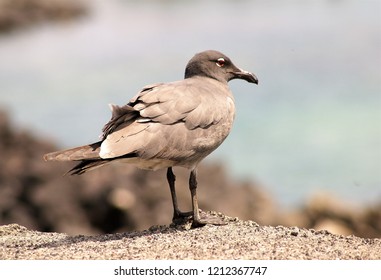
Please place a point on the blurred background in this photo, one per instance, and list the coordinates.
(305, 149)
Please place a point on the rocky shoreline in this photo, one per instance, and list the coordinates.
(237, 240)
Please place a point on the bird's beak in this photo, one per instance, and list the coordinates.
(245, 75)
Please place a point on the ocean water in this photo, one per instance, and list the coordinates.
(312, 124)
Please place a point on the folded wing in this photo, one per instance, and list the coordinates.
(145, 125)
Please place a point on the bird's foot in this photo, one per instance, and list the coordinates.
(203, 218)
(181, 217)
(207, 219)
(180, 214)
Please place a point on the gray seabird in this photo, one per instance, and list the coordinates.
(169, 124)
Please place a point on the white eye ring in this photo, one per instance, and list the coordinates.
(220, 62)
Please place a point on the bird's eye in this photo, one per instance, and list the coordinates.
(220, 62)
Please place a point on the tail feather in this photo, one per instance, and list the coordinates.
(88, 156)
(87, 165)
(87, 152)
(90, 164)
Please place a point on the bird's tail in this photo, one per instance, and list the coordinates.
(88, 156)
(87, 165)
(87, 152)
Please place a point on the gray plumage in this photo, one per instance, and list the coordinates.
(168, 124)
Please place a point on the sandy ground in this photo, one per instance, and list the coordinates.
(236, 240)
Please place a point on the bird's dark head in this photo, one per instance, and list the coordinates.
(216, 65)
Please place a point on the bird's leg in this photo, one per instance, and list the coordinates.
(176, 212)
(193, 190)
(197, 220)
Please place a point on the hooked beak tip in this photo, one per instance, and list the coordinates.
(247, 76)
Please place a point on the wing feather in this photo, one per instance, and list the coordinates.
(159, 120)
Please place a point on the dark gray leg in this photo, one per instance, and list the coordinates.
(193, 190)
(176, 212)
(197, 220)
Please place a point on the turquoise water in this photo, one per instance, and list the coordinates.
(313, 123)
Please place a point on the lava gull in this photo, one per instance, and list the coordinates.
(169, 124)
